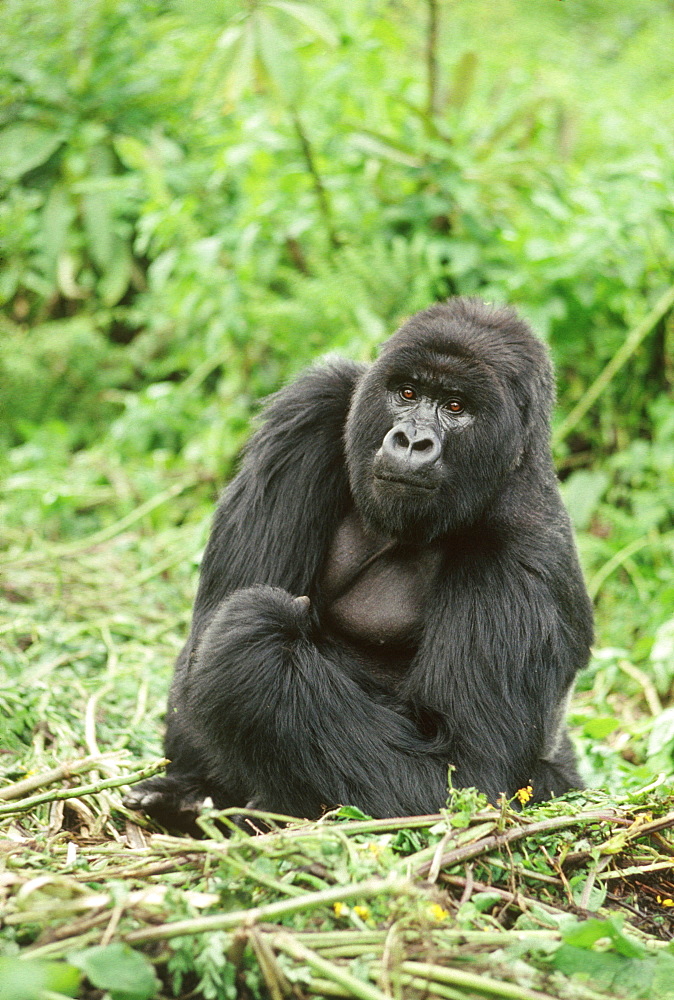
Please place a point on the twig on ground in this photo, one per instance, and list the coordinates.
(60, 773)
(486, 844)
(72, 793)
(249, 917)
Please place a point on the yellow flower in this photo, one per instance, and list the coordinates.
(666, 901)
(362, 912)
(340, 909)
(437, 912)
(524, 794)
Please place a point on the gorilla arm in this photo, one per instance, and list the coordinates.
(276, 519)
(272, 526)
(502, 645)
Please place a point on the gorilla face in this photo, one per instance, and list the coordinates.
(438, 424)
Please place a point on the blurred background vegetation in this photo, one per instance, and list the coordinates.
(199, 198)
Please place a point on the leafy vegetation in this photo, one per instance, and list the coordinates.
(197, 200)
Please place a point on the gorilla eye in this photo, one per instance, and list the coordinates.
(455, 406)
(407, 392)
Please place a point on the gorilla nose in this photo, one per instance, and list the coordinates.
(407, 445)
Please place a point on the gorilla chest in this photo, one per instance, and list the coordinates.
(377, 591)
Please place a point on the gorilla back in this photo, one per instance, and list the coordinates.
(390, 588)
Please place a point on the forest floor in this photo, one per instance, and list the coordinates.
(574, 898)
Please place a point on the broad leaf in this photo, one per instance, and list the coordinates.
(313, 18)
(28, 980)
(125, 973)
(24, 146)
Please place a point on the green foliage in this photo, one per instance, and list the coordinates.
(54, 371)
(621, 965)
(169, 177)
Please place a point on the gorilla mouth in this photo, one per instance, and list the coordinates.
(410, 483)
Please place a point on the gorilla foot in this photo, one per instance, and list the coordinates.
(172, 802)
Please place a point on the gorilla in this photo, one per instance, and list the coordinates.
(390, 588)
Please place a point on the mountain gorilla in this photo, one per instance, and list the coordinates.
(390, 587)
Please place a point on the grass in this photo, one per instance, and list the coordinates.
(570, 899)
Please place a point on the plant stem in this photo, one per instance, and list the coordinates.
(622, 355)
(469, 851)
(76, 793)
(299, 904)
(321, 194)
(432, 58)
(472, 981)
(357, 988)
(66, 770)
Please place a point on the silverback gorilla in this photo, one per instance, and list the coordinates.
(390, 587)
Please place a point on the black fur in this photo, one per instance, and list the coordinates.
(457, 578)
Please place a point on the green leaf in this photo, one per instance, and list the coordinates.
(662, 734)
(57, 217)
(115, 280)
(132, 152)
(98, 208)
(597, 895)
(311, 17)
(24, 146)
(241, 72)
(586, 933)
(230, 36)
(603, 968)
(464, 78)
(582, 492)
(98, 224)
(650, 978)
(663, 646)
(483, 901)
(27, 980)
(125, 973)
(277, 56)
(662, 984)
(10, 276)
(350, 812)
(597, 729)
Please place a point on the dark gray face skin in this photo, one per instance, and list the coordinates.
(411, 453)
(429, 443)
(461, 451)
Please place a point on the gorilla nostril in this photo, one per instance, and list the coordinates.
(424, 445)
(401, 440)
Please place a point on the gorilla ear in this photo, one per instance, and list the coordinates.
(523, 362)
(536, 398)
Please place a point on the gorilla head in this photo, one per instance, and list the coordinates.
(458, 400)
